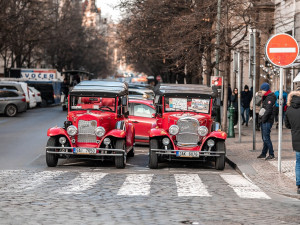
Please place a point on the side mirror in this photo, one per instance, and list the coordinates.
(124, 101)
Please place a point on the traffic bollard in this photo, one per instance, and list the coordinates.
(231, 133)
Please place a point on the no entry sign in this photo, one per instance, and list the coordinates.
(282, 50)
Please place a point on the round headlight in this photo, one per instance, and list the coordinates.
(106, 141)
(174, 129)
(100, 131)
(202, 130)
(166, 141)
(62, 140)
(210, 143)
(72, 130)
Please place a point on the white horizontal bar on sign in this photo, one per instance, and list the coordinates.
(136, 185)
(83, 182)
(244, 188)
(190, 185)
(282, 50)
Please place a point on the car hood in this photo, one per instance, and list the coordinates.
(203, 119)
(103, 119)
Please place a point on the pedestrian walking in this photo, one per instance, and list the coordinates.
(234, 102)
(258, 101)
(266, 117)
(276, 111)
(292, 122)
(245, 104)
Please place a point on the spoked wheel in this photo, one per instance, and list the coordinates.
(220, 160)
(120, 161)
(51, 159)
(153, 159)
(11, 110)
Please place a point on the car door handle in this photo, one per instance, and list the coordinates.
(135, 122)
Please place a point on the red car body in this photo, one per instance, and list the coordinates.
(185, 127)
(141, 114)
(97, 126)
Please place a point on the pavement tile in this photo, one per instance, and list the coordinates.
(264, 173)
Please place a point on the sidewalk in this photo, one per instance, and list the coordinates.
(264, 173)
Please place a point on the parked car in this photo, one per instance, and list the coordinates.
(37, 95)
(12, 102)
(22, 87)
(138, 93)
(96, 127)
(141, 114)
(32, 100)
(185, 127)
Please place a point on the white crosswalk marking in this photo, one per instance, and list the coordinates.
(190, 185)
(31, 181)
(83, 182)
(244, 188)
(136, 184)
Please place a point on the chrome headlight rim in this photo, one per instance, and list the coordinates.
(72, 130)
(174, 129)
(166, 141)
(210, 143)
(202, 131)
(99, 131)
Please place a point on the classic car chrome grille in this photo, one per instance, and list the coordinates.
(86, 131)
(188, 132)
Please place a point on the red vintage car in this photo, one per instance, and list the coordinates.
(141, 114)
(185, 128)
(97, 126)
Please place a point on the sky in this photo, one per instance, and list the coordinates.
(107, 8)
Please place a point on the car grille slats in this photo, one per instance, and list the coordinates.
(86, 131)
(188, 132)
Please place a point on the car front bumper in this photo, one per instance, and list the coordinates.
(74, 151)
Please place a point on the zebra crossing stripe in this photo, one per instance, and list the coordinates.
(83, 182)
(190, 185)
(136, 184)
(244, 188)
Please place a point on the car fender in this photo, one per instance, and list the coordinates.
(158, 132)
(215, 134)
(116, 133)
(55, 131)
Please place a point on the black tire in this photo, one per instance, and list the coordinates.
(131, 152)
(51, 159)
(120, 161)
(11, 110)
(64, 108)
(153, 158)
(220, 160)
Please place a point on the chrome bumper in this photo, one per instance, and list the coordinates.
(113, 152)
(173, 152)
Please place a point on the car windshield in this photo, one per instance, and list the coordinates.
(187, 104)
(93, 103)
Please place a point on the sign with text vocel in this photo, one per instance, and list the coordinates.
(38, 74)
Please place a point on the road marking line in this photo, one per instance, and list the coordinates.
(31, 181)
(244, 188)
(190, 185)
(282, 50)
(136, 184)
(84, 181)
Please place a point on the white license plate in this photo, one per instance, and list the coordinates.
(187, 154)
(85, 151)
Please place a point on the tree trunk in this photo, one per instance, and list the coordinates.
(225, 91)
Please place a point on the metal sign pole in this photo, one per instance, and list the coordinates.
(280, 119)
(252, 73)
(239, 94)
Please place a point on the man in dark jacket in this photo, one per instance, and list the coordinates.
(266, 117)
(245, 104)
(234, 102)
(292, 122)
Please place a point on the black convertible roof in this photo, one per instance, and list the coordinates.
(111, 88)
(183, 90)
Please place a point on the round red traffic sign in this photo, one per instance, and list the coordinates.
(282, 50)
